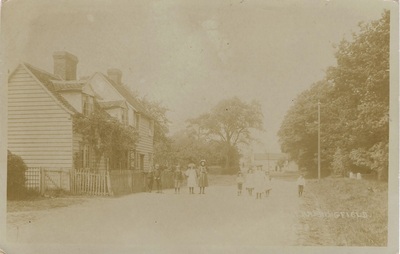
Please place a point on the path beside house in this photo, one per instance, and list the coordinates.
(219, 217)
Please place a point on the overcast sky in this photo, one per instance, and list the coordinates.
(192, 54)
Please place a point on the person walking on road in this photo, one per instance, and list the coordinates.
(157, 178)
(239, 181)
(178, 177)
(191, 174)
(301, 182)
(203, 179)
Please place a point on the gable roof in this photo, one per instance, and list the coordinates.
(62, 85)
(45, 79)
(112, 104)
(128, 96)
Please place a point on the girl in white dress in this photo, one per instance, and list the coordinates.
(191, 174)
(250, 181)
(259, 182)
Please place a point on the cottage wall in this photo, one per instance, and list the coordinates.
(145, 143)
(39, 128)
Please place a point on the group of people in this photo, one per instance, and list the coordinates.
(196, 177)
(258, 181)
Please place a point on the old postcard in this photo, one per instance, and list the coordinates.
(181, 126)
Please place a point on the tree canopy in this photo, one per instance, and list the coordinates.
(229, 123)
(354, 98)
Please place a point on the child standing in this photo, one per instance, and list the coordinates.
(157, 177)
(150, 179)
(191, 174)
(239, 181)
(203, 179)
(178, 176)
(268, 183)
(259, 182)
(250, 181)
(301, 182)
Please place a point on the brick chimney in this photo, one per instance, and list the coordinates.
(115, 75)
(65, 65)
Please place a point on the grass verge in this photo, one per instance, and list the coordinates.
(344, 212)
(42, 203)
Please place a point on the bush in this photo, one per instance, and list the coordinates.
(15, 177)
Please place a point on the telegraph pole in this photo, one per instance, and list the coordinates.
(319, 141)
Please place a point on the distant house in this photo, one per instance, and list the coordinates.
(273, 161)
(41, 107)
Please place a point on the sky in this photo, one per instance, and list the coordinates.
(189, 55)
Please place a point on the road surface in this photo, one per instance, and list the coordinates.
(219, 217)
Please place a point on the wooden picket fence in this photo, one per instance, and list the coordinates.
(90, 183)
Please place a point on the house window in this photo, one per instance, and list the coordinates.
(124, 116)
(87, 105)
(151, 127)
(141, 162)
(86, 156)
(132, 159)
(150, 158)
(137, 121)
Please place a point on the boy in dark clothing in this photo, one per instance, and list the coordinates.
(150, 179)
(157, 177)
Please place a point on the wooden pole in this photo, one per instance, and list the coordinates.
(319, 141)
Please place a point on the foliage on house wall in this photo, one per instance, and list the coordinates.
(105, 135)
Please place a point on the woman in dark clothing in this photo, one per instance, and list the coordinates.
(178, 176)
(203, 179)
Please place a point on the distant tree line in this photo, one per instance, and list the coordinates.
(354, 99)
(213, 136)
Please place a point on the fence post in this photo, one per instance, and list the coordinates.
(42, 181)
(109, 183)
(132, 182)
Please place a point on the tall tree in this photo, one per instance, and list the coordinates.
(354, 108)
(298, 133)
(361, 77)
(188, 147)
(230, 122)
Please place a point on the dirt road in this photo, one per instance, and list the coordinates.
(219, 217)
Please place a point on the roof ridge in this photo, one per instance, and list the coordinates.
(58, 78)
(69, 82)
(113, 101)
(127, 94)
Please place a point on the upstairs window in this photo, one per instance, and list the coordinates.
(151, 127)
(87, 105)
(137, 121)
(125, 116)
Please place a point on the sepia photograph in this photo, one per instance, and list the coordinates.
(176, 126)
